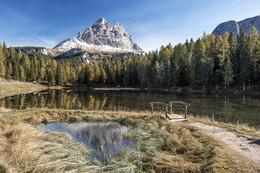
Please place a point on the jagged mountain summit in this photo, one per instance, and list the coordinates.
(233, 26)
(101, 37)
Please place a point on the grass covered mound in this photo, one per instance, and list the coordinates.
(161, 146)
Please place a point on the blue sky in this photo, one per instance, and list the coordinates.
(152, 23)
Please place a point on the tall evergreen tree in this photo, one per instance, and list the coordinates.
(233, 55)
(103, 75)
(68, 71)
(2, 70)
(126, 67)
(32, 72)
(97, 72)
(204, 70)
(253, 37)
(90, 73)
(257, 57)
(198, 55)
(243, 53)
(9, 71)
(22, 73)
(42, 69)
(228, 73)
(2, 66)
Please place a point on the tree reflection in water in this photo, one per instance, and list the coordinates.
(103, 135)
(227, 108)
(104, 140)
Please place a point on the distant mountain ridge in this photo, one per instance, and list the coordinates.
(233, 26)
(101, 37)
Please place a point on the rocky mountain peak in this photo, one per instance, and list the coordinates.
(233, 26)
(102, 37)
(101, 21)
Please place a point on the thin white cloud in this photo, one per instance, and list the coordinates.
(47, 41)
(33, 41)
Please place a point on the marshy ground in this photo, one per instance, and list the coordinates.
(160, 145)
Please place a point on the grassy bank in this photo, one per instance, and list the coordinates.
(161, 145)
(19, 88)
(15, 88)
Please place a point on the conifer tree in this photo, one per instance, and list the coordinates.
(112, 72)
(253, 37)
(22, 73)
(25, 62)
(103, 75)
(32, 72)
(97, 72)
(204, 70)
(145, 65)
(211, 53)
(16, 69)
(90, 73)
(233, 55)
(36, 67)
(119, 71)
(68, 71)
(2, 70)
(5, 51)
(9, 71)
(12, 54)
(1, 53)
(198, 55)
(160, 73)
(190, 69)
(165, 53)
(126, 75)
(51, 77)
(64, 75)
(72, 77)
(59, 74)
(54, 66)
(257, 56)
(42, 69)
(243, 53)
(2, 66)
(228, 73)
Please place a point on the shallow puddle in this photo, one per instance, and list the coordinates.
(104, 139)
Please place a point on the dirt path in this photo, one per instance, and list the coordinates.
(248, 148)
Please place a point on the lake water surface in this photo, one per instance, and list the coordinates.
(226, 108)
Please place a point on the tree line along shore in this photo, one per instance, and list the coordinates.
(216, 61)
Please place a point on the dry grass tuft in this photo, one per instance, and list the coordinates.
(31, 150)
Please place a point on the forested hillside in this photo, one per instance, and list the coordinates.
(210, 60)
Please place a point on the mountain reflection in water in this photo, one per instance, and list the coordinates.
(103, 139)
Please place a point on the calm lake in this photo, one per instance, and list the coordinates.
(226, 108)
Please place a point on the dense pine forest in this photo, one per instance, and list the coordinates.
(210, 60)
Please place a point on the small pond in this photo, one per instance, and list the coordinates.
(103, 140)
